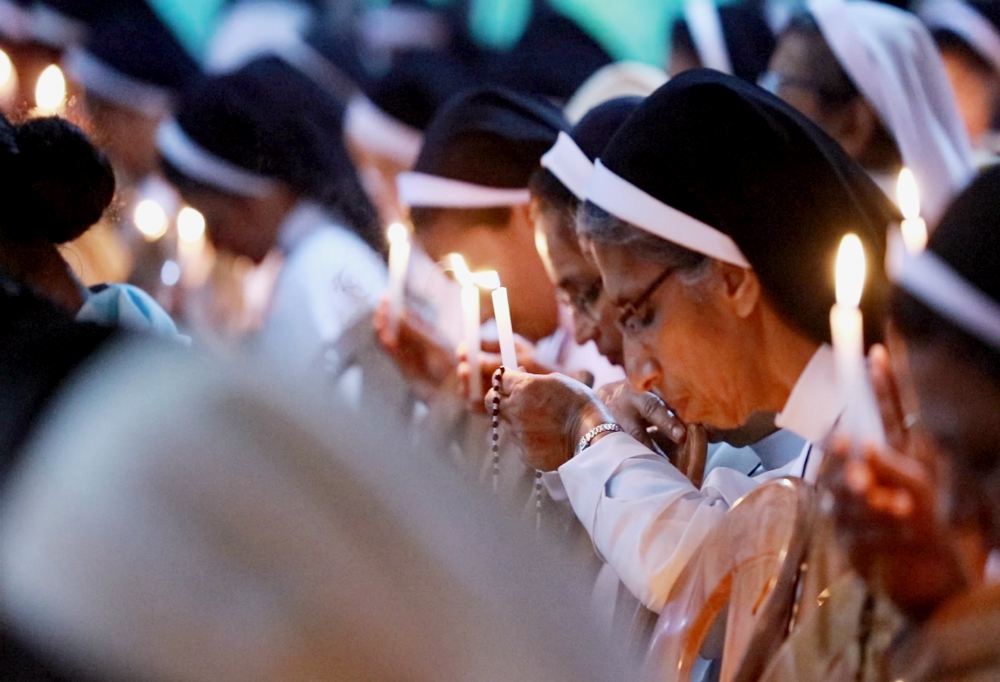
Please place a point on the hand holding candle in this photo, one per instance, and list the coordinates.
(861, 419)
(399, 260)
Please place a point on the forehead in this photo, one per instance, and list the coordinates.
(959, 406)
(625, 276)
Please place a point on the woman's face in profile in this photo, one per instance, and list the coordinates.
(960, 410)
(680, 340)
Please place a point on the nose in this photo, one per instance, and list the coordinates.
(585, 329)
(641, 367)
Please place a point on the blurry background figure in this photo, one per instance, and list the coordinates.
(621, 79)
(260, 153)
(177, 520)
(131, 69)
(967, 33)
(870, 76)
(56, 185)
(735, 39)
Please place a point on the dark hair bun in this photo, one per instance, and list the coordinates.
(59, 182)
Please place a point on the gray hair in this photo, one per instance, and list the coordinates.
(602, 228)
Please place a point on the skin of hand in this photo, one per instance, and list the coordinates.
(546, 416)
(421, 355)
(887, 505)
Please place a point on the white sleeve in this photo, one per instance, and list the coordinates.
(644, 516)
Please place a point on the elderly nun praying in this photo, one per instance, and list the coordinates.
(715, 213)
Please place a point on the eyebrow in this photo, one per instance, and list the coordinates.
(578, 281)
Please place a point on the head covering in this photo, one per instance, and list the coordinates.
(62, 23)
(136, 63)
(553, 58)
(958, 274)
(249, 30)
(571, 159)
(621, 79)
(15, 20)
(267, 123)
(481, 150)
(721, 167)
(976, 22)
(895, 64)
(735, 39)
(178, 519)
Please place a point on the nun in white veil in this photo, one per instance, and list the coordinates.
(890, 59)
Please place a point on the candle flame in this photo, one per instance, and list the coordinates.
(190, 224)
(7, 73)
(488, 279)
(150, 219)
(907, 194)
(397, 232)
(50, 90)
(850, 271)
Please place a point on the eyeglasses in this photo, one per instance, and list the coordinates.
(628, 321)
(583, 302)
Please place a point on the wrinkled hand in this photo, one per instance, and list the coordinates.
(638, 413)
(889, 519)
(421, 354)
(546, 415)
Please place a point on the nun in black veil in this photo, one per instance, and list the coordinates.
(260, 153)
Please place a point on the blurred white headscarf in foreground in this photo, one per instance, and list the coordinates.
(174, 520)
(892, 59)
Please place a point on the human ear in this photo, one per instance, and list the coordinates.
(741, 288)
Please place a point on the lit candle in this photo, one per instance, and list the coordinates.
(860, 420)
(50, 92)
(505, 331)
(471, 315)
(913, 227)
(399, 261)
(150, 219)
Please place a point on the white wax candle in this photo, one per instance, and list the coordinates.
(399, 260)
(471, 316)
(861, 419)
(914, 234)
(913, 227)
(501, 312)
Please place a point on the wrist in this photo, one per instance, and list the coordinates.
(591, 416)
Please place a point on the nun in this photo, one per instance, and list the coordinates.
(720, 273)
(902, 510)
(967, 33)
(734, 39)
(131, 70)
(870, 75)
(469, 194)
(259, 152)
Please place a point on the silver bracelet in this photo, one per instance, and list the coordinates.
(608, 427)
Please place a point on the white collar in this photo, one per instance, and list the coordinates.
(300, 222)
(815, 403)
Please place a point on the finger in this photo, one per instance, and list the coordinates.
(887, 395)
(511, 380)
(696, 444)
(655, 411)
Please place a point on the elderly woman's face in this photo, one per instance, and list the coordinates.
(681, 340)
(960, 409)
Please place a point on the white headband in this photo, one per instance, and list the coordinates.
(570, 165)
(115, 86)
(703, 22)
(631, 204)
(55, 29)
(15, 21)
(931, 280)
(432, 191)
(372, 128)
(961, 19)
(204, 166)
